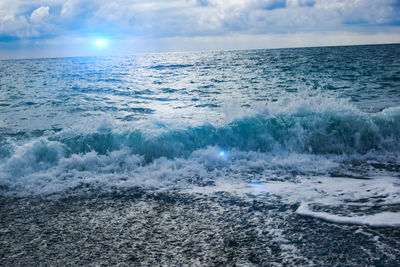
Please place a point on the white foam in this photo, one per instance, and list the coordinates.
(33, 156)
(355, 198)
(333, 191)
(40, 167)
(377, 219)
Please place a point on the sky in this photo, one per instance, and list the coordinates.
(53, 28)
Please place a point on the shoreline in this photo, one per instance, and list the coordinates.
(149, 228)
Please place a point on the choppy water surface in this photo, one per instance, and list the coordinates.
(310, 136)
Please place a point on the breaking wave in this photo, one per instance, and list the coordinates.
(314, 127)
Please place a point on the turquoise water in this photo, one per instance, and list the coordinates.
(317, 127)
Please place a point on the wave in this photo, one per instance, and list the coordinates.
(313, 128)
(340, 131)
(304, 131)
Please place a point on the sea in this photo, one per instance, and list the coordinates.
(279, 157)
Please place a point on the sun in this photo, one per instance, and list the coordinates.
(100, 42)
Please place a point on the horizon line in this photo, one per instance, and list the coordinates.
(197, 51)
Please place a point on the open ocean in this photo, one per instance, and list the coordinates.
(241, 158)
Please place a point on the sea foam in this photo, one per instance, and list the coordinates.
(317, 129)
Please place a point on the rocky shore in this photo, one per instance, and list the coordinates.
(148, 228)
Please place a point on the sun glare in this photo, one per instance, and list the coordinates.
(100, 43)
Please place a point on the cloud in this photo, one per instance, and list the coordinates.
(38, 15)
(154, 19)
(165, 18)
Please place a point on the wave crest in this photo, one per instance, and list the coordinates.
(305, 131)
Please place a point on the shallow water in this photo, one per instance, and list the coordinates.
(311, 133)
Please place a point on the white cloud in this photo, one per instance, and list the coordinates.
(39, 14)
(165, 18)
(174, 19)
